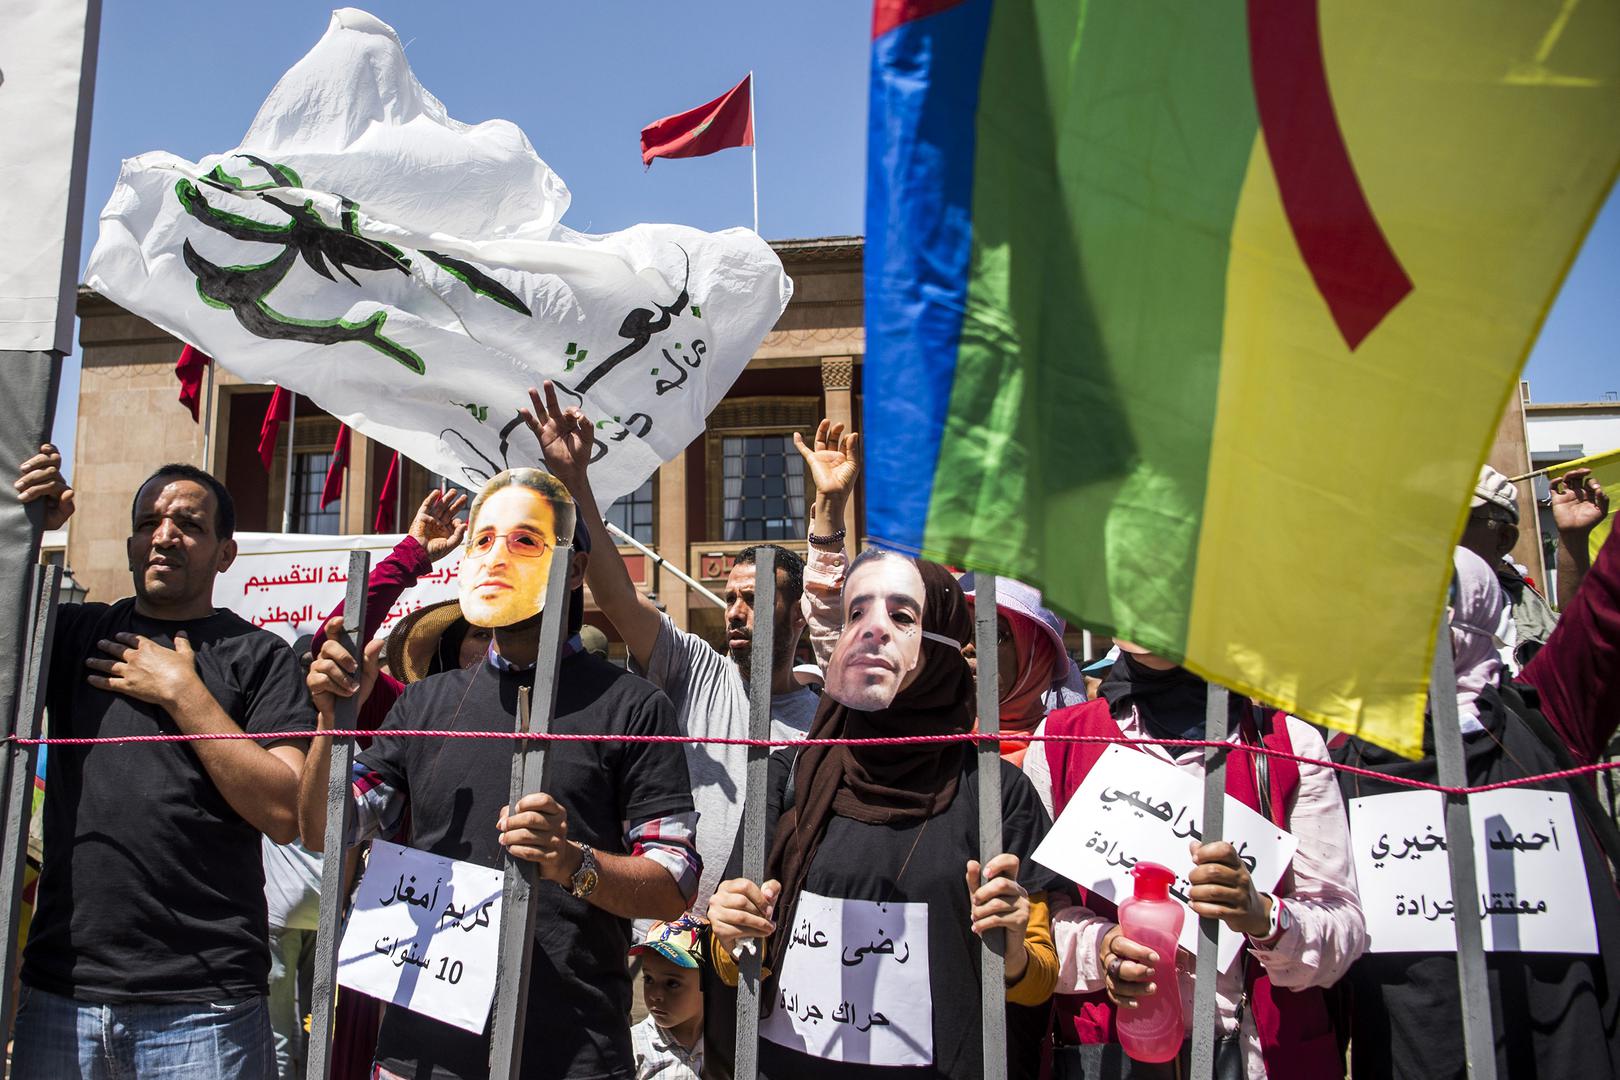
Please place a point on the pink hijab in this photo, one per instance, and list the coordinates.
(1479, 617)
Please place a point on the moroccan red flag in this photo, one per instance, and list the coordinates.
(726, 121)
(387, 503)
(189, 369)
(332, 490)
(280, 409)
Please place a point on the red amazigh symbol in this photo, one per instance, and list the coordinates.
(1355, 269)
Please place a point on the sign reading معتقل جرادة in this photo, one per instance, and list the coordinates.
(1133, 807)
(1534, 894)
(425, 934)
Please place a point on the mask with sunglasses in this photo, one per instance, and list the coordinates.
(511, 542)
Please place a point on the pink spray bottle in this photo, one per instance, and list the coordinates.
(1153, 1030)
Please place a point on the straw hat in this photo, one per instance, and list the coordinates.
(415, 639)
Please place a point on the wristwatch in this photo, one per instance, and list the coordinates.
(1278, 924)
(583, 883)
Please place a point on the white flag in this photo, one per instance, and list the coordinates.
(411, 275)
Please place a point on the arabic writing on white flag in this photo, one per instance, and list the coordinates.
(411, 275)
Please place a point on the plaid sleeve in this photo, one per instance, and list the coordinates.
(379, 807)
(668, 841)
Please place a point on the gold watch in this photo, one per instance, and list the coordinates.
(583, 883)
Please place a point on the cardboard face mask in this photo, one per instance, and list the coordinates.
(881, 644)
(512, 541)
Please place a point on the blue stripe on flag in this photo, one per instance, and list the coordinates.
(919, 229)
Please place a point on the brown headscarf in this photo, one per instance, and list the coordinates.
(880, 785)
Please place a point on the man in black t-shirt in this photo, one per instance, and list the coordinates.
(612, 832)
(147, 950)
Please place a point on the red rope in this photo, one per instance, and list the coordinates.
(910, 740)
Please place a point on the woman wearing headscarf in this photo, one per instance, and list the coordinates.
(1274, 1019)
(868, 842)
(1553, 1014)
(1033, 671)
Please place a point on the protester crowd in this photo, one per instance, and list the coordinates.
(175, 905)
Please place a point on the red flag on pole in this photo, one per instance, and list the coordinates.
(387, 503)
(726, 121)
(189, 369)
(280, 409)
(332, 490)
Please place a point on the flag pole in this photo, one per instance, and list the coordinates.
(286, 493)
(208, 416)
(753, 150)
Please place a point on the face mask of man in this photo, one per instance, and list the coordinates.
(880, 650)
(511, 542)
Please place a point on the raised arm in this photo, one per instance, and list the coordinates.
(435, 532)
(1579, 505)
(833, 462)
(566, 438)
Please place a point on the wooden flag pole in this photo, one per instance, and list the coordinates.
(21, 761)
(519, 909)
(763, 646)
(1206, 1010)
(1479, 1043)
(992, 954)
(339, 820)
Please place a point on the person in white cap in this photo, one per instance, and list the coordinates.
(1491, 533)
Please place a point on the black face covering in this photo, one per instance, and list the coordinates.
(1170, 703)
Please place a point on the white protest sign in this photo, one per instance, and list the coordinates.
(1133, 807)
(424, 933)
(854, 986)
(1533, 897)
(288, 582)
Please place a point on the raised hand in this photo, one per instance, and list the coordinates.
(1579, 503)
(565, 435)
(40, 478)
(833, 459)
(436, 526)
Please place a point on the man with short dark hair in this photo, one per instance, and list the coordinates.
(147, 951)
(710, 690)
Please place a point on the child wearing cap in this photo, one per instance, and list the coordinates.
(668, 1044)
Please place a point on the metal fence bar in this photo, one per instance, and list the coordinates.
(1205, 1009)
(992, 954)
(21, 762)
(339, 815)
(1479, 1044)
(761, 651)
(518, 907)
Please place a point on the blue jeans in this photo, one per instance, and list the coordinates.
(58, 1038)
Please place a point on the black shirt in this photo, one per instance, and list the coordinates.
(916, 863)
(579, 995)
(1552, 1014)
(152, 888)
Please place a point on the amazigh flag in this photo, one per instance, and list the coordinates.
(726, 121)
(1606, 471)
(278, 411)
(332, 489)
(1200, 317)
(190, 369)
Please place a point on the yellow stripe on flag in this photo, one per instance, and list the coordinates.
(1484, 136)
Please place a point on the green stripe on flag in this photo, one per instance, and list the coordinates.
(1113, 140)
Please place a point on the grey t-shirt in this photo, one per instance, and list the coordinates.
(712, 702)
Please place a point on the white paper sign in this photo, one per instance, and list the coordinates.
(288, 582)
(1134, 807)
(424, 934)
(1533, 889)
(854, 984)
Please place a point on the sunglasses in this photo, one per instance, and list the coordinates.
(523, 543)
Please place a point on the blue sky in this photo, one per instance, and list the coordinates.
(581, 79)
